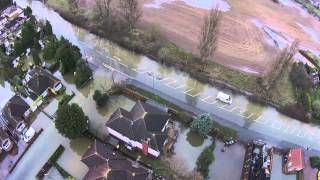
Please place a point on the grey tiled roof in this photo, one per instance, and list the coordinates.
(141, 123)
(100, 160)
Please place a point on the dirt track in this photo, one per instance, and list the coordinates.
(242, 45)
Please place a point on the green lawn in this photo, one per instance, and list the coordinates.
(60, 4)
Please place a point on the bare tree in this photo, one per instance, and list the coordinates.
(208, 41)
(280, 66)
(74, 5)
(131, 12)
(104, 10)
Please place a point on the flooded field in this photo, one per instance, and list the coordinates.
(203, 4)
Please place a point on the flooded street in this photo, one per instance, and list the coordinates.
(266, 123)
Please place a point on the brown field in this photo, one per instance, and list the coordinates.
(242, 45)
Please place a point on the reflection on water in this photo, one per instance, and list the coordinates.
(194, 139)
(188, 147)
(80, 145)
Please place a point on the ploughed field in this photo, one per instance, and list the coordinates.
(251, 32)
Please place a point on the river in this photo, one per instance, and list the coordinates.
(250, 119)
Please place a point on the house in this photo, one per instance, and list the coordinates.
(41, 82)
(12, 12)
(14, 114)
(3, 21)
(106, 164)
(144, 127)
(294, 161)
(257, 161)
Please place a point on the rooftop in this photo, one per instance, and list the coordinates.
(141, 123)
(104, 163)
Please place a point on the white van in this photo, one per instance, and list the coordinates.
(28, 136)
(224, 98)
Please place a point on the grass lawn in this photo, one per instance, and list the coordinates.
(60, 4)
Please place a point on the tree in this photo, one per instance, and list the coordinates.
(100, 98)
(300, 78)
(27, 11)
(280, 66)
(83, 73)
(36, 59)
(316, 109)
(68, 55)
(74, 5)
(203, 124)
(6, 69)
(50, 49)
(208, 42)
(130, 11)
(28, 34)
(18, 47)
(47, 29)
(71, 121)
(205, 159)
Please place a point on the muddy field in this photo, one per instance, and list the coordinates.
(251, 32)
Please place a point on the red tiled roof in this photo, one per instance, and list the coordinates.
(296, 160)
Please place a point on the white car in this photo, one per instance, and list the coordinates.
(7, 145)
(224, 98)
(21, 127)
(28, 136)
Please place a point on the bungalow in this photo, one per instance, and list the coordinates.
(294, 161)
(41, 82)
(12, 12)
(105, 164)
(14, 114)
(144, 127)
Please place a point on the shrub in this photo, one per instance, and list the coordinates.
(203, 124)
(65, 100)
(71, 121)
(83, 73)
(205, 159)
(316, 109)
(56, 155)
(315, 162)
(100, 98)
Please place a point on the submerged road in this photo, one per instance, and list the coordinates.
(251, 120)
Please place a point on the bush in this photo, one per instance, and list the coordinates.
(83, 73)
(203, 124)
(71, 121)
(316, 109)
(100, 98)
(224, 133)
(315, 162)
(205, 159)
(65, 100)
(56, 155)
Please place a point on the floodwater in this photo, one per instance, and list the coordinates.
(274, 38)
(44, 146)
(187, 149)
(222, 5)
(252, 122)
(97, 116)
(311, 32)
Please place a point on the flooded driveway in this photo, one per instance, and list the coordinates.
(44, 146)
(267, 123)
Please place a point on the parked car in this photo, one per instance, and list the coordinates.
(224, 98)
(29, 134)
(21, 127)
(7, 145)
